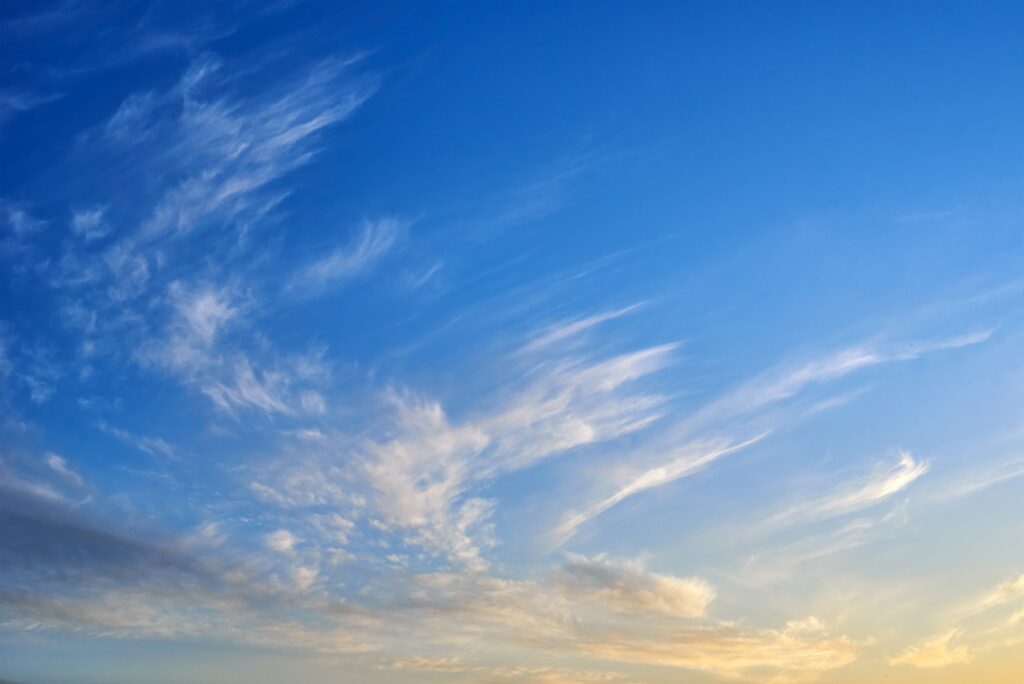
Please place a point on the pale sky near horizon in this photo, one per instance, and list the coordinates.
(568, 342)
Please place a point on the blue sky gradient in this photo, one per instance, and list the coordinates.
(499, 342)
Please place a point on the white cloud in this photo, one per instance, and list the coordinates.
(313, 402)
(304, 577)
(868, 491)
(247, 387)
(977, 480)
(281, 541)
(60, 466)
(232, 151)
(419, 479)
(334, 527)
(151, 445)
(13, 101)
(17, 219)
(90, 224)
(375, 239)
(205, 311)
(734, 411)
(689, 460)
(564, 330)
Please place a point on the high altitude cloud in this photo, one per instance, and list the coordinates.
(375, 239)
(90, 224)
(215, 156)
(745, 412)
(868, 491)
(936, 651)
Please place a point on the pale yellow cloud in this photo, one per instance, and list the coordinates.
(935, 651)
(1007, 592)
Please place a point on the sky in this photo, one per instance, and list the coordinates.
(511, 343)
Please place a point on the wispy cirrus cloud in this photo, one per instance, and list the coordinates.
(18, 223)
(978, 480)
(154, 446)
(567, 329)
(866, 492)
(60, 466)
(13, 102)
(779, 385)
(689, 459)
(373, 241)
(90, 223)
(232, 151)
(746, 410)
(215, 156)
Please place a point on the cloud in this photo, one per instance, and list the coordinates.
(375, 239)
(418, 480)
(792, 654)
(63, 572)
(197, 315)
(735, 411)
(313, 402)
(934, 652)
(247, 387)
(90, 224)
(689, 460)
(281, 541)
(60, 466)
(17, 219)
(628, 626)
(960, 645)
(233, 151)
(151, 445)
(33, 364)
(865, 493)
(968, 483)
(17, 228)
(532, 674)
(194, 347)
(628, 588)
(780, 563)
(197, 166)
(414, 281)
(334, 527)
(566, 329)
(1007, 592)
(97, 581)
(779, 385)
(13, 102)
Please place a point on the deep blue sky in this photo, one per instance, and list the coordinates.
(391, 338)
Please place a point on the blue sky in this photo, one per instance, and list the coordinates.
(475, 342)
